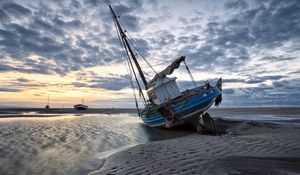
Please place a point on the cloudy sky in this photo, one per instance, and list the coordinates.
(69, 49)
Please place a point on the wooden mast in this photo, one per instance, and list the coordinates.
(125, 42)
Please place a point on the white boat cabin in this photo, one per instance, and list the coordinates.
(163, 90)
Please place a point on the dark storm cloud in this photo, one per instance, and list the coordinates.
(267, 25)
(3, 16)
(228, 91)
(78, 84)
(48, 35)
(237, 4)
(5, 68)
(188, 39)
(75, 4)
(116, 83)
(233, 80)
(202, 57)
(93, 3)
(264, 25)
(110, 82)
(23, 80)
(279, 84)
(127, 19)
(42, 69)
(287, 85)
(20, 42)
(66, 24)
(15, 9)
(131, 22)
(127, 13)
(278, 58)
(9, 90)
(42, 24)
(165, 38)
(255, 80)
(127, 7)
(122, 9)
(142, 45)
(280, 92)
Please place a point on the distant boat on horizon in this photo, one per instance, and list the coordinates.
(47, 106)
(81, 106)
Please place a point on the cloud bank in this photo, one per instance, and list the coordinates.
(253, 45)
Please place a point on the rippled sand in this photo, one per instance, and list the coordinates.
(36, 141)
(68, 144)
(241, 147)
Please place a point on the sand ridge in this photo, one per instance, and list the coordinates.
(246, 147)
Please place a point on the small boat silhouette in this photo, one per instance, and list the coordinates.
(81, 106)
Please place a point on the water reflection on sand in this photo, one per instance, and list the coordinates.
(68, 143)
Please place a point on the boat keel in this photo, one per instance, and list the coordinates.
(205, 124)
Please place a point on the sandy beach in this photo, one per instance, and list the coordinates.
(240, 147)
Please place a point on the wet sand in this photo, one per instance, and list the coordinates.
(214, 111)
(66, 141)
(241, 147)
(69, 144)
(20, 112)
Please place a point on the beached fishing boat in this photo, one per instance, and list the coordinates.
(166, 105)
(81, 106)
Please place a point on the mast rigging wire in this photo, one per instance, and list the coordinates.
(128, 69)
(141, 55)
(190, 74)
(121, 40)
(136, 79)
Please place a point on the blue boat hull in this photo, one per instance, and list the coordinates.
(184, 110)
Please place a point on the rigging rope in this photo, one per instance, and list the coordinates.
(134, 45)
(141, 55)
(190, 74)
(132, 68)
(128, 58)
(128, 69)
